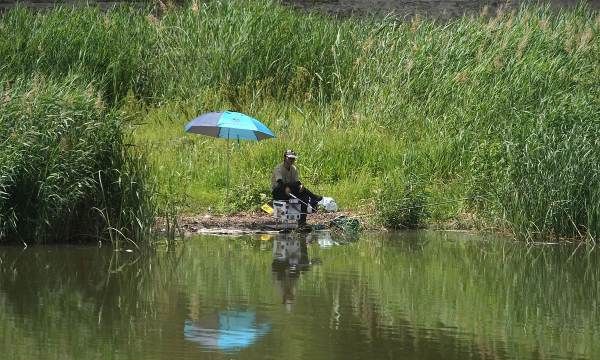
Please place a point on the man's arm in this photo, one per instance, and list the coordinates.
(277, 182)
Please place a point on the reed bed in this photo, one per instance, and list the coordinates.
(65, 171)
(496, 113)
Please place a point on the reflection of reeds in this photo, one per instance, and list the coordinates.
(479, 287)
(506, 298)
(451, 103)
(81, 288)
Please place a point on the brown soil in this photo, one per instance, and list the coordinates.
(243, 223)
(401, 9)
(405, 9)
(259, 223)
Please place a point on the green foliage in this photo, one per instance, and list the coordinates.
(246, 196)
(111, 50)
(65, 170)
(453, 103)
(502, 109)
(552, 181)
(402, 202)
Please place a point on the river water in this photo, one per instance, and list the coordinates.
(424, 295)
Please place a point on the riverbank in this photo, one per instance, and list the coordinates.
(249, 222)
(469, 117)
(259, 222)
(415, 122)
(402, 10)
(406, 10)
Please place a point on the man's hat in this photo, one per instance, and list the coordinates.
(290, 154)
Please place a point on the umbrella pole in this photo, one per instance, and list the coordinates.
(228, 159)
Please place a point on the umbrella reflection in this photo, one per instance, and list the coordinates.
(226, 330)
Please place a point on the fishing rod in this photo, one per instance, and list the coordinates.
(297, 198)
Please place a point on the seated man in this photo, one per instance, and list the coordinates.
(285, 181)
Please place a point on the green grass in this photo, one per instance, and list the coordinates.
(501, 111)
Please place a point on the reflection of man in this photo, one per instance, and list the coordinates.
(285, 181)
(290, 258)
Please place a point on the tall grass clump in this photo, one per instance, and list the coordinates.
(402, 202)
(552, 181)
(65, 171)
(246, 49)
(238, 48)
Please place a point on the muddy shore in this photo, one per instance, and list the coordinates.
(401, 9)
(406, 9)
(259, 222)
(247, 223)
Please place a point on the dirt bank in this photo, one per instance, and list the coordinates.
(246, 223)
(259, 222)
(403, 9)
(440, 9)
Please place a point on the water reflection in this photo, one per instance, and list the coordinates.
(388, 296)
(226, 330)
(290, 259)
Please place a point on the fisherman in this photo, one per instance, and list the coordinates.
(285, 184)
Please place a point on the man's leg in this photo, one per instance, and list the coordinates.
(312, 195)
(311, 198)
(279, 193)
(303, 197)
(303, 209)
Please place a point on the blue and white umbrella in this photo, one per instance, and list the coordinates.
(229, 125)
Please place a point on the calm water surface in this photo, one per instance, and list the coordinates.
(403, 296)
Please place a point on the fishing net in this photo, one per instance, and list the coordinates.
(345, 225)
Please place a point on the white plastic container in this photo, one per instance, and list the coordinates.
(286, 211)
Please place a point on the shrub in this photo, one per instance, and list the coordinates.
(402, 203)
(246, 197)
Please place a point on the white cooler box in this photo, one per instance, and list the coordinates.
(287, 211)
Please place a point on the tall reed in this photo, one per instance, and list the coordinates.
(66, 172)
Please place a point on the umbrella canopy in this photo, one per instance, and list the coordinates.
(229, 125)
